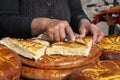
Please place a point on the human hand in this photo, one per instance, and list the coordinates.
(86, 27)
(55, 29)
(58, 29)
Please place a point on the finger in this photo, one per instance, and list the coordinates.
(100, 37)
(56, 36)
(50, 34)
(62, 34)
(97, 33)
(83, 32)
(70, 32)
(94, 38)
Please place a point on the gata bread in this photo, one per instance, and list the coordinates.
(81, 46)
(34, 48)
(63, 62)
(31, 73)
(10, 64)
(102, 70)
(110, 42)
(110, 46)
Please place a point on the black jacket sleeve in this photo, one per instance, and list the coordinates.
(11, 23)
(77, 13)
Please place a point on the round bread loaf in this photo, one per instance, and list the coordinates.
(47, 74)
(10, 64)
(55, 67)
(44, 74)
(63, 62)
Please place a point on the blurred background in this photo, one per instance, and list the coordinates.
(92, 7)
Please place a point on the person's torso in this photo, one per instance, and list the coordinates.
(58, 9)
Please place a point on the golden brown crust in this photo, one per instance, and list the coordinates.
(102, 70)
(49, 74)
(10, 64)
(81, 46)
(79, 42)
(32, 48)
(110, 47)
(110, 42)
(63, 62)
(44, 74)
(110, 54)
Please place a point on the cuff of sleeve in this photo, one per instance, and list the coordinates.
(26, 27)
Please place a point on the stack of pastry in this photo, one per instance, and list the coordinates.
(52, 61)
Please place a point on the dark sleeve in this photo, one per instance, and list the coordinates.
(11, 23)
(77, 13)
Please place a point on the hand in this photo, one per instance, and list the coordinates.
(85, 27)
(58, 29)
(55, 29)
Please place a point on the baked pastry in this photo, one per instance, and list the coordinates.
(102, 70)
(55, 67)
(110, 48)
(32, 48)
(10, 64)
(110, 42)
(81, 46)
(44, 74)
(50, 73)
(63, 62)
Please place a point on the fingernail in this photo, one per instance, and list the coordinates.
(73, 39)
(81, 36)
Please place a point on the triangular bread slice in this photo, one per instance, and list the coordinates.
(81, 46)
(30, 48)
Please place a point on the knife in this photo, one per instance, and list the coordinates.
(75, 34)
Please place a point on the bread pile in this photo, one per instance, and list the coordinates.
(67, 60)
(108, 68)
(53, 61)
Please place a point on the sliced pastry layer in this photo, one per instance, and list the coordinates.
(30, 48)
(81, 46)
(34, 48)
